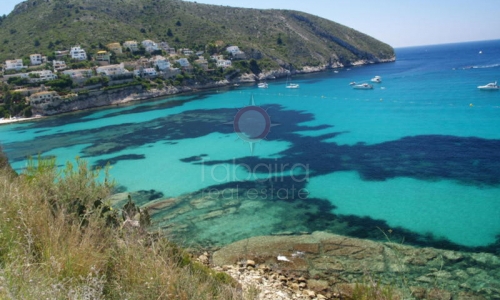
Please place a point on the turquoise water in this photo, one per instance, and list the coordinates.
(420, 153)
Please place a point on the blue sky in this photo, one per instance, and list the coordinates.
(398, 23)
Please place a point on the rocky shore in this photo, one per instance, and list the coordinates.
(327, 266)
(118, 96)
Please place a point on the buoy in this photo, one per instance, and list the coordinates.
(471, 105)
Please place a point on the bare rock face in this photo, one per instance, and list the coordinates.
(334, 264)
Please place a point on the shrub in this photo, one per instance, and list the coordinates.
(56, 243)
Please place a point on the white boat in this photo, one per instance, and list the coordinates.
(352, 83)
(262, 85)
(290, 85)
(376, 79)
(363, 86)
(490, 87)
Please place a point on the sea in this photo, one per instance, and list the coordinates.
(415, 159)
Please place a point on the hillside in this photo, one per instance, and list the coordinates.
(43, 26)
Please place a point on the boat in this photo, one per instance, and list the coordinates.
(290, 85)
(363, 86)
(352, 83)
(489, 87)
(376, 79)
(262, 85)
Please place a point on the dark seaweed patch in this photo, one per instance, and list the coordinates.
(116, 159)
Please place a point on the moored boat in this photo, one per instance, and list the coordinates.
(493, 86)
(363, 86)
(262, 85)
(376, 79)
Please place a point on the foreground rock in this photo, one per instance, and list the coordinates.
(328, 266)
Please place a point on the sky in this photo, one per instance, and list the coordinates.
(399, 23)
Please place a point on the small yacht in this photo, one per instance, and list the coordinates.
(290, 85)
(490, 87)
(352, 83)
(363, 86)
(262, 85)
(376, 79)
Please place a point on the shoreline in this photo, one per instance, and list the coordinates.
(171, 90)
(19, 119)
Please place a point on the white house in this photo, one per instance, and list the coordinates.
(61, 54)
(14, 64)
(131, 45)
(233, 49)
(186, 51)
(112, 70)
(161, 62)
(235, 52)
(184, 62)
(43, 75)
(78, 73)
(36, 59)
(59, 65)
(78, 53)
(224, 63)
(150, 46)
(151, 72)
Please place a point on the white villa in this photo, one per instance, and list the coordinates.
(15, 64)
(150, 46)
(44, 75)
(112, 70)
(151, 72)
(161, 62)
(78, 73)
(61, 54)
(36, 59)
(235, 52)
(131, 45)
(221, 62)
(59, 65)
(184, 62)
(224, 63)
(78, 53)
(186, 51)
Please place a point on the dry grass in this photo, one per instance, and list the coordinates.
(50, 248)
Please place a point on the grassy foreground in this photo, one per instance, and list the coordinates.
(55, 244)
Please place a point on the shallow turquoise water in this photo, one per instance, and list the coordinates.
(420, 152)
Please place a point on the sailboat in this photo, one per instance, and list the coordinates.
(290, 85)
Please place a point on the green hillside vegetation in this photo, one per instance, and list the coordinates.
(57, 243)
(286, 37)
